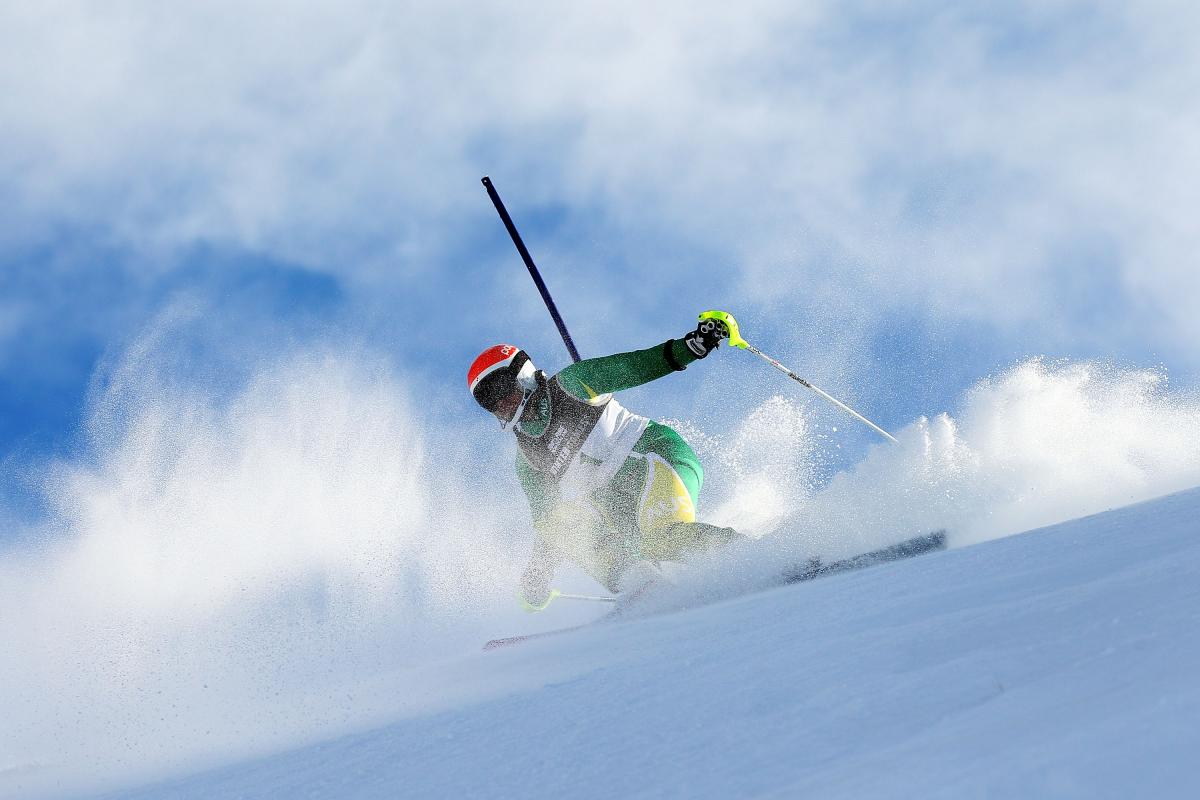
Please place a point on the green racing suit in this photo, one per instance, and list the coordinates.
(641, 507)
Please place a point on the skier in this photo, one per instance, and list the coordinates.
(612, 491)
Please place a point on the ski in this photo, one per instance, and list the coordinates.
(496, 644)
(917, 545)
(815, 568)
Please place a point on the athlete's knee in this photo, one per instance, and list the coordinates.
(665, 499)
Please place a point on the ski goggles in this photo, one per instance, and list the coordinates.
(527, 382)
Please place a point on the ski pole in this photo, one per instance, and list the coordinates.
(555, 594)
(735, 340)
(591, 597)
(533, 270)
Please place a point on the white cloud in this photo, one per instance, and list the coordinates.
(945, 156)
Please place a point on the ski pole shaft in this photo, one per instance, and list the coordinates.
(533, 270)
(555, 594)
(588, 597)
(819, 391)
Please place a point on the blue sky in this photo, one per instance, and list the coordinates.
(896, 199)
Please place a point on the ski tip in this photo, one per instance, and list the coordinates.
(914, 546)
(496, 644)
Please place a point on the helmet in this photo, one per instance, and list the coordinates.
(501, 379)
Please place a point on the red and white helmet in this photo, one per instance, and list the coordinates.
(502, 373)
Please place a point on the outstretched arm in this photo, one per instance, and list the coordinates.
(542, 496)
(596, 376)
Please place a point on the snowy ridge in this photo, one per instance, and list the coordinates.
(1062, 662)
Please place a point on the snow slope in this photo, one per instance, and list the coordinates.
(1064, 662)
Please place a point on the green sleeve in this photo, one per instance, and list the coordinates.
(595, 376)
(541, 493)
